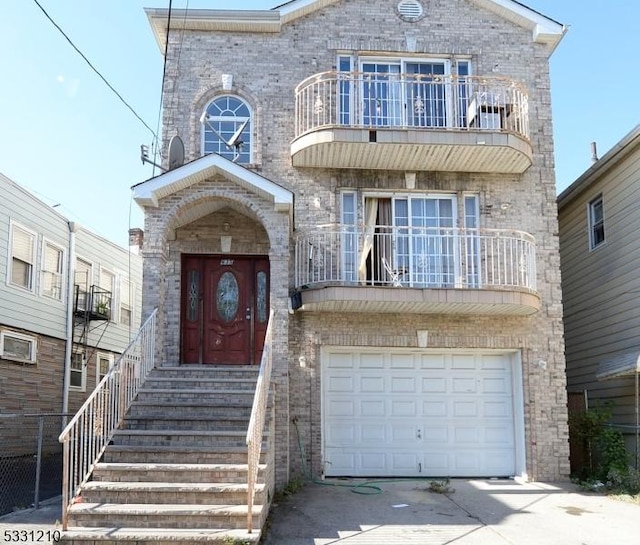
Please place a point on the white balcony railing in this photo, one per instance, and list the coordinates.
(415, 257)
(411, 101)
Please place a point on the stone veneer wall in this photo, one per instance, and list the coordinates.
(266, 68)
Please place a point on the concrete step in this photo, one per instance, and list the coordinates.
(169, 493)
(219, 438)
(190, 408)
(177, 454)
(158, 536)
(172, 395)
(182, 473)
(186, 422)
(154, 515)
(207, 371)
(191, 383)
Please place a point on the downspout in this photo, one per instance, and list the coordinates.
(69, 330)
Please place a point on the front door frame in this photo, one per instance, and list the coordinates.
(253, 305)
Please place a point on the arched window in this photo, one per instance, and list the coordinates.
(227, 129)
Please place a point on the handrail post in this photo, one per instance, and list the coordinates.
(65, 483)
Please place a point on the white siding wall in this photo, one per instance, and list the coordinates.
(34, 312)
(19, 307)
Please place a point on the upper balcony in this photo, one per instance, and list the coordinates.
(349, 268)
(412, 122)
(92, 303)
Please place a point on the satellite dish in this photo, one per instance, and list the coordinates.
(176, 152)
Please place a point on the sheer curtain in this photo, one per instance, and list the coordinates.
(370, 215)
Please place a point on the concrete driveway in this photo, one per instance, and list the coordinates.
(478, 512)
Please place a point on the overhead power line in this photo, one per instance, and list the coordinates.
(94, 68)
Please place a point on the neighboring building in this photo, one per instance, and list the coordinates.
(381, 174)
(600, 255)
(65, 292)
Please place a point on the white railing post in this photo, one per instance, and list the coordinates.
(86, 436)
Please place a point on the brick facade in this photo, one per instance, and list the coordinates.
(266, 69)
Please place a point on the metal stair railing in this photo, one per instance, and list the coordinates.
(87, 435)
(257, 420)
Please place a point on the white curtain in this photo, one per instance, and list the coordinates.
(370, 213)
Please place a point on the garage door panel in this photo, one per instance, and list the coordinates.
(436, 434)
(338, 407)
(432, 361)
(406, 434)
(496, 409)
(495, 386)
(466, 361)
(340, 361)
(402, 361)
(373, 462)
(464, 385)
(418, 414)
(434, 408)
(373, 408)
(373, 433)
(340, 384)
(466, 435)
(371, 361)
(372, 385)
(465, 408)
(407, 408)
(400, 385)
(434, 385)
(341, 433)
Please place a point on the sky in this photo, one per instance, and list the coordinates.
(65, 136)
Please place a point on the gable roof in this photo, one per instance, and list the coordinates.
(617, 153)
(150, 192)
(543, 29)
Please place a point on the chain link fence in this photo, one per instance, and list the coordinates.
(30, 459)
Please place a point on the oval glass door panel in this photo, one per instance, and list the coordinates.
(227, 297)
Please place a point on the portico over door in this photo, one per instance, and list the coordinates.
(224, 308)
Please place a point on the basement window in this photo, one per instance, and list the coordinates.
(17, 347)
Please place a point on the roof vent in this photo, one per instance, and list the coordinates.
(410, 10)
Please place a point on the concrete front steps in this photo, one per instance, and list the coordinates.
(176, 472)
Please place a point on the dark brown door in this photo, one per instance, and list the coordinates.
(225, 302)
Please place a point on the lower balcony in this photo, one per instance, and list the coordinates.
(349, 268)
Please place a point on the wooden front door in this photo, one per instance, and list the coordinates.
(225, 308)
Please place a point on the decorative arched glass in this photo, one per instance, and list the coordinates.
(227, 129)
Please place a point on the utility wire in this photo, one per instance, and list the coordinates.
(94, 68)
(164, 75)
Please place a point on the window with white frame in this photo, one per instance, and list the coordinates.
(17, 347)
(403, 92)
(126, 302)
(596, 222)
(52, 270)
(22, 257)
(105, 297)
(105, 362)
(78, 372)
(83, 278)
(227, 129)
(410, 239)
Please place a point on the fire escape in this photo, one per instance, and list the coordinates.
(91, 310)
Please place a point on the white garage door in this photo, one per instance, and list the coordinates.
(418, 413)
